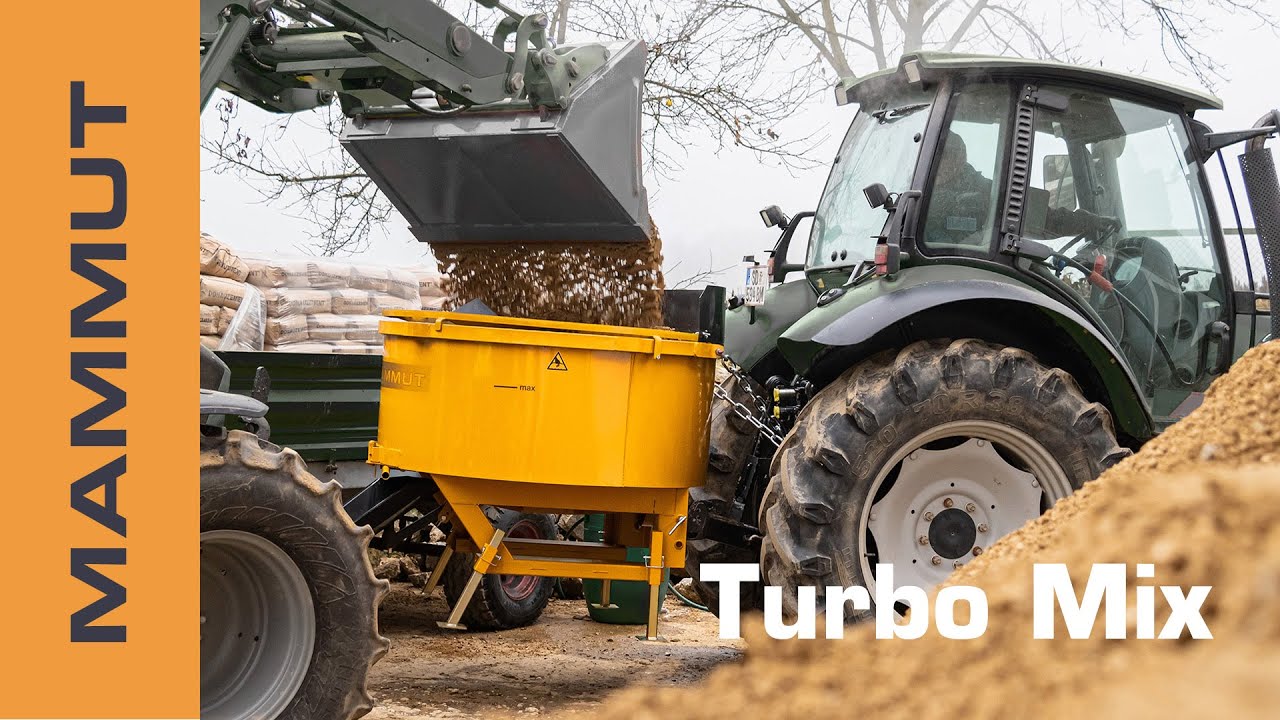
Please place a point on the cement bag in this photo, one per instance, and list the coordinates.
(290, 302)
(209, 319)
(350, 302)
(363, 330)
(222, 292)
(284, 330)
(302, 347)
(379, 303)
(265, 273)
(374, 278)
(328, 275)
(356, 348)
(327, 327)
(211, 341)
(218, 260)
(225, 316)
(247, 329)
(434, 303)
(403, 284)
(430, 283)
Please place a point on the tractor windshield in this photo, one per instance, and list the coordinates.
(880, 147)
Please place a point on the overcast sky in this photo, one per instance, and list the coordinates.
(707, 213)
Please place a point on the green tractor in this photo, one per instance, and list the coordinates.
(1015, 277)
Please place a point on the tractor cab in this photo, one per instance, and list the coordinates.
(1083, 191)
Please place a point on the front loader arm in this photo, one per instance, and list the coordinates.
(381, 54)
(470, 142)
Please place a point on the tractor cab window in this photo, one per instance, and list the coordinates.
(1112, 189)
(881, 147)
(965, 193)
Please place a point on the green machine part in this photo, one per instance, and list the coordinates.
(629, 600)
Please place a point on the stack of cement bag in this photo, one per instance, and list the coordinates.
(310, 305)
(328, 306)
(231, 311)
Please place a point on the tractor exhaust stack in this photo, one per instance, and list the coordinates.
(1258, 168)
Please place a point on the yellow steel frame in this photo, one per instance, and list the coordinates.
(655, 515)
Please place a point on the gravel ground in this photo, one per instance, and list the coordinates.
(563, 664)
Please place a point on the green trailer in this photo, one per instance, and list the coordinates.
(323, 406)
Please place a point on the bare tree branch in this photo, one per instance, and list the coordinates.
(963, 28)
(733, 71)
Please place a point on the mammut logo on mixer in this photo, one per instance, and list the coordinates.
(557, 363)
(403, 377)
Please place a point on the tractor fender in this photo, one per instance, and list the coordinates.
(954, 302)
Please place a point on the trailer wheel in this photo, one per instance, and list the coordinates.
(502, 602)
(732, 441)
(288, 601)
(922, 459)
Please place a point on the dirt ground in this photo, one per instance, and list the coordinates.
(1198, 502)
(564, 663)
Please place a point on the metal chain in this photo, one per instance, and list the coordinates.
(761, 419)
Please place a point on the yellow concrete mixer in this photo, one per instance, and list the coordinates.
(549, 417)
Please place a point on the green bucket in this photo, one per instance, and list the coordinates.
(630, 596)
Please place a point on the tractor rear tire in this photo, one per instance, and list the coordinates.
(502, 602)
(733, 440)
(933, 437)
(289, 603)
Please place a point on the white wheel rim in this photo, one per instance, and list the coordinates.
(257, 626)
(947, 506)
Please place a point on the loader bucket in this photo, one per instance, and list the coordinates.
(519, 175)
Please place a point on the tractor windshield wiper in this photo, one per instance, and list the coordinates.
(889, 115)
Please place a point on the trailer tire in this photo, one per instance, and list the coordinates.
(297, 576)
(878, 437)
(733, 440)
(502, 602)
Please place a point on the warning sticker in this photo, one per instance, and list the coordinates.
(557, 363)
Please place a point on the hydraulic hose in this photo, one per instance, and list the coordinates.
(687, 601)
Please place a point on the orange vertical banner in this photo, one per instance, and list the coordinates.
(98, 295)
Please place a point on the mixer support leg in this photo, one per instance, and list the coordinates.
(656, 563)
(605, 604)
(438, 571)
(488, 554)
(651, 629)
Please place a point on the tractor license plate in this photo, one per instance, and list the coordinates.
(757, 283)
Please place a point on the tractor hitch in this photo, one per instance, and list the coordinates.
(706, 524)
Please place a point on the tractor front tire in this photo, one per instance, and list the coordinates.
(921, 457)
(502, 602)
(289, 603)
(733, 440)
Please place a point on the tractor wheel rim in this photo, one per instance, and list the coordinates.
(521, 587)
(946, 505)
(257, 626)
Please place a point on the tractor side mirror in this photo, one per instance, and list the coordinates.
(877, 195)
(778, 265)
(774, 217)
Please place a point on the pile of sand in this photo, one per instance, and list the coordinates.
(1201, 502)
(609, 283)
